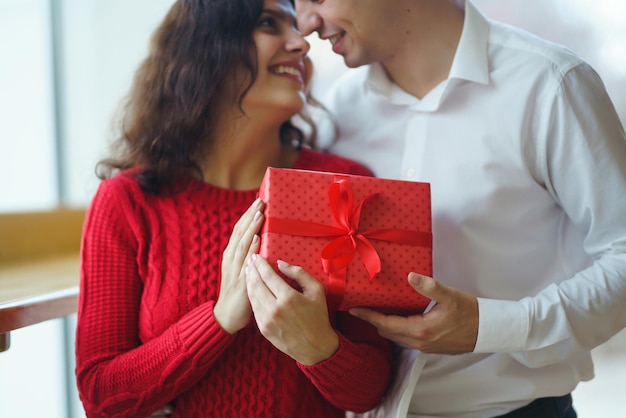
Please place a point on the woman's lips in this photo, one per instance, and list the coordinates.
(294, 71)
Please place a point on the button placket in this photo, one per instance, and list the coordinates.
(414, 140)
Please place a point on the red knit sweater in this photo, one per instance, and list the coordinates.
(146, 334)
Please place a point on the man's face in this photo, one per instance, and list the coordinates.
(359, 30)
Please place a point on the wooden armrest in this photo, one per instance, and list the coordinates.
(34, 235)
(39, 267)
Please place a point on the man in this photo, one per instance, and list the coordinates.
(526, 157)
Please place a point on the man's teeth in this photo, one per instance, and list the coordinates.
(333, 39)
(283, 69)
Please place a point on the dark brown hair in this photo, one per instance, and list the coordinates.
(180, 88)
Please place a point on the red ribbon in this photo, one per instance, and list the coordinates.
(348, 241)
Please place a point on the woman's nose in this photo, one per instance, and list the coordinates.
(298, 43)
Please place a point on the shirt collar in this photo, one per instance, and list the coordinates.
(470, 60)
(378, 82)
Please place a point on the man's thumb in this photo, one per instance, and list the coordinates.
(426, 286)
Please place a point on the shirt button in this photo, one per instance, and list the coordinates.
(410, 173)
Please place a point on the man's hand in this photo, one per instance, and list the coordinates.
(450, 327)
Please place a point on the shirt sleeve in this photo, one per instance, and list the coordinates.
(580, 149)
(117, 374)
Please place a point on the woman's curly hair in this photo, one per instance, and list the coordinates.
(180, 89)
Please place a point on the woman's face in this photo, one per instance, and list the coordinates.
(282, 75)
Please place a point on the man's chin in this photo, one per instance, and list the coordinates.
(351, 62)
(355, 64)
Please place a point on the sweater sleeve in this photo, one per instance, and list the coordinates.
(117, 375)
(356, 376)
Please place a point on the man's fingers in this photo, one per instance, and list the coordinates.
(373, 317)
(390, 324)
(451, 327)
(368, 315)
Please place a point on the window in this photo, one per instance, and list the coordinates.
(28, 147)
(65, 66)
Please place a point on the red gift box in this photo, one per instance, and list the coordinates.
(360, 236)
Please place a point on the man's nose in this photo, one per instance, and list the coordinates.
(308, 18)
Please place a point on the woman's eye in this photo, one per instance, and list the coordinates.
(268, 22)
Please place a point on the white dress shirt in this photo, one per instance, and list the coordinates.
(526, 158)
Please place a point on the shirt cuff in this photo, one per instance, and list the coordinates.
(503, 326)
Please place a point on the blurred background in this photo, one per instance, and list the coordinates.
(66, 64)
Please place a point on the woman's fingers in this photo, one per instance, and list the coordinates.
(232, 309)
(295, 322)
(245, 229)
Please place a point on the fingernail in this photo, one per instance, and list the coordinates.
(255, 239)
(257, 202)
(282, 264)
(257, 216)
(254, 257)
(415, 278)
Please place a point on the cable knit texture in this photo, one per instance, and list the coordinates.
(146, 333)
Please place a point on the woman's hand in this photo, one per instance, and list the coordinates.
(295, 322)
(232, 309)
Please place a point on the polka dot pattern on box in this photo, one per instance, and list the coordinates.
(403, 205)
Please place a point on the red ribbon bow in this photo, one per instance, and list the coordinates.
(348, 241)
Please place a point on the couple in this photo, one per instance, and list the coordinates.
(526, 158)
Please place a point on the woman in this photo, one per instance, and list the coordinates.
(164, 314)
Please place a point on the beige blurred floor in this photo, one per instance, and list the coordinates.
(605, 395)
